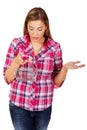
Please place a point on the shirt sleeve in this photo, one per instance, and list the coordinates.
(9, 57)
(58, 61)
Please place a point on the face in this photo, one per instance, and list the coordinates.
(36, 30)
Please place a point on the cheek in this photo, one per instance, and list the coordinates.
(41, 33)
(30, 34)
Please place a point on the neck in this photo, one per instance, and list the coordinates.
(37, 45)
(39, 42)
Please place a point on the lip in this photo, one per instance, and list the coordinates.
(35, 38)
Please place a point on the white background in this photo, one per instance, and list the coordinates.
(68, 23)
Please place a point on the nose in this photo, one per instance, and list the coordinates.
(35, 33)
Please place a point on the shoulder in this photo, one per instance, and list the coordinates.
(20, 41)
(53, 44)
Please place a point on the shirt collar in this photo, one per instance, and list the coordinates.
(26, 40)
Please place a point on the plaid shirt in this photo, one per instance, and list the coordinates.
(32, 89)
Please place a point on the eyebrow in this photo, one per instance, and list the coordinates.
(33, 27)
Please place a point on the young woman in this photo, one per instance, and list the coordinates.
(33, 68)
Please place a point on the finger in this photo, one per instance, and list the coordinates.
(80, 66)
(26, 61)
(76, 62)
(20, 54)
(20, 57)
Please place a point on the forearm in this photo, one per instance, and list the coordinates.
(61, 76)
(10, 73)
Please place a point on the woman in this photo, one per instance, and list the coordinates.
(33, 68)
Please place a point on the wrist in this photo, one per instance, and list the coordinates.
(14, 65)
(65, 68)
(14, 68)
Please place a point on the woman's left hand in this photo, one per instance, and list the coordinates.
(73, 65)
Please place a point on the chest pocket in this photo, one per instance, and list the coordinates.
(45, 64)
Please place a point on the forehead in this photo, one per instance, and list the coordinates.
(36, 23)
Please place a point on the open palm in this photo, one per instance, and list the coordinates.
(73, 65)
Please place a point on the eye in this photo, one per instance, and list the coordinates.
(31, 29)
(40, 29)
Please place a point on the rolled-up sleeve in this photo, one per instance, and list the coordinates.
(58, 61)
(9, 57)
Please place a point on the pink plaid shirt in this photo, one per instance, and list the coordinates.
(33, 89)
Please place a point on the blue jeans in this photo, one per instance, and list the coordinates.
(29, 120)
